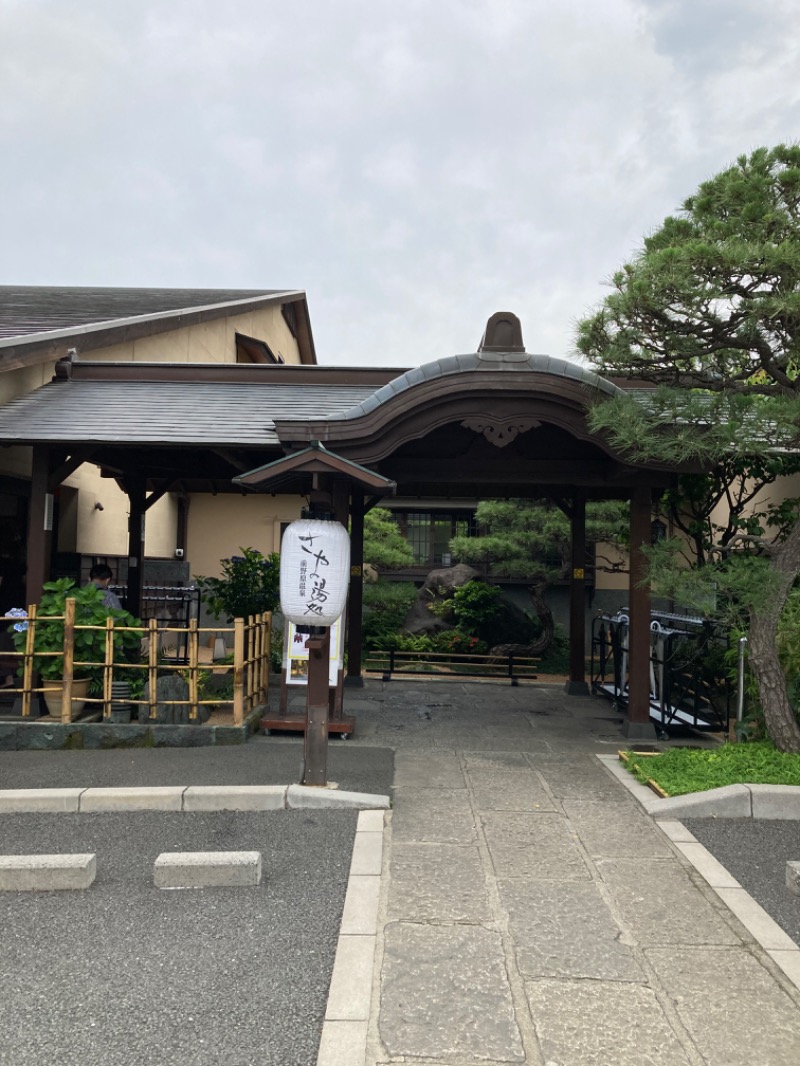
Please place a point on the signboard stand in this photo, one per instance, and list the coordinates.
(294, 674)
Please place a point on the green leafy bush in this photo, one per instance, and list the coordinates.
(386, 605)
(90, 644)
(250, 584)
(454, 642)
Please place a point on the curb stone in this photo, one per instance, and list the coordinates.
(185, 798)
(719, 803)
(344, 1031)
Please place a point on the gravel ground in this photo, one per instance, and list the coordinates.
(756, 851)
(262, 761)
(124, 973)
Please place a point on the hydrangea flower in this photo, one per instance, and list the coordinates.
(18, 612)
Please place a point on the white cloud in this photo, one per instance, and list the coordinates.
(414, 167)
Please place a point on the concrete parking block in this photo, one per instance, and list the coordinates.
(234, 798)
(776, 801)
(207, 869)
(46, 873)
(793, 877)
(299, 797)
(166, 798)
(38, 800)
(343, 1043)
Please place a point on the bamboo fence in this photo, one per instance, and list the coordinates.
(249, 668)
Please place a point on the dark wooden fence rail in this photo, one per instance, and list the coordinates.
(513, 667)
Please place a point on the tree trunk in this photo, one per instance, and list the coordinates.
(545, 615)
(779, 716)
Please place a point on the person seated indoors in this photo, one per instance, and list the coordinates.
(100, 576)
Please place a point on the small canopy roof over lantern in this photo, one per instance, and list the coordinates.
(315, 571)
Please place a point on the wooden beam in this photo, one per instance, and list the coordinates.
(638, 724)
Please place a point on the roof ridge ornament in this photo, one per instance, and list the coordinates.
(503, 333)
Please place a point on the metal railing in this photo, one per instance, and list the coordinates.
(511, 667)
(689, 685)
(93, 682)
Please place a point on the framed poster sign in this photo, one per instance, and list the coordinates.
(295, 655)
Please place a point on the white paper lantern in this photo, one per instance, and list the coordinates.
(315, 571)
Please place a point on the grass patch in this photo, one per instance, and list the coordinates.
(682, 770)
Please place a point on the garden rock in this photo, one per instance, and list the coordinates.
(169, 690)
(440, 585)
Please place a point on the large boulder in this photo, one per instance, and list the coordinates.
(440, 585)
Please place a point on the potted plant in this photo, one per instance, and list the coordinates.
(89, 645)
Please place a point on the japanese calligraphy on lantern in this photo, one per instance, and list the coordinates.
(315, 571)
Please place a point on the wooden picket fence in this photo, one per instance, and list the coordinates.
(249, 668)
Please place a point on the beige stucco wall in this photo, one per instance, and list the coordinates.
(220, 525)
(607, 555)
(206, 342)
(105, 532)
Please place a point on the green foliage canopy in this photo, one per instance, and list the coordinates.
(250, 585)
(530, 540)
(709, 313)
(385, 548)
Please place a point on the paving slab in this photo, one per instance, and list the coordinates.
(615, 830)
(435, 769)
(746, 1018)
(498, 790)
(603, 1023)
(566, 930)
(661, 904)
(437, 882)
(445, 993)
(443, 816)
(532, 846)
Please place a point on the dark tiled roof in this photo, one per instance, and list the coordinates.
(28, 309)
(176, 413)
(482, 362)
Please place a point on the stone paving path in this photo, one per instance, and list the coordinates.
(532, 913)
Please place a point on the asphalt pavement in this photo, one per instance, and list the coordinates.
(756, 851)
(124, 974)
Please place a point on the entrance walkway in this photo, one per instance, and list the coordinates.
(532, 913)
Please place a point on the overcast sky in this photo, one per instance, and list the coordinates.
(414, 165)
